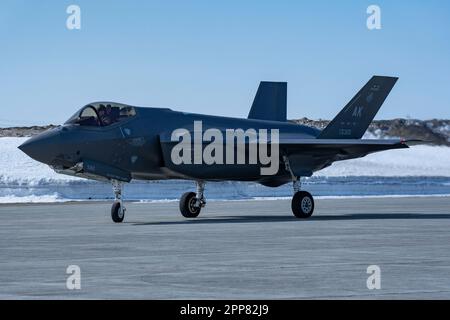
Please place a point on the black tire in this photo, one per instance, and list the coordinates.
(117, 214)
(187, 208)
(302, 204)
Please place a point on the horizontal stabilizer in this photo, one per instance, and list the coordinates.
(309, 155)
(270, 102)
(343, 144)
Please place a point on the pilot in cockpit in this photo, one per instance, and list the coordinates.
(103, 115)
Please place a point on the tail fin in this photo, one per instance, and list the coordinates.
(270, 102)
(353, 120)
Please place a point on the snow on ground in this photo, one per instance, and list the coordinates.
(17, 168)
(23, 179)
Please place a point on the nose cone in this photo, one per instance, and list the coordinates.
(42, 147)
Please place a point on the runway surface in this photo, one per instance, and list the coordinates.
(236, 249)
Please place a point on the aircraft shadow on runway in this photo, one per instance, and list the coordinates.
(272, 218)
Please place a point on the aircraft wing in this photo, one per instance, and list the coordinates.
(350, 148)
(307, 155)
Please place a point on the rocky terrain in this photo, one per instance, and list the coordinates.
(24, 131)
(433, 131)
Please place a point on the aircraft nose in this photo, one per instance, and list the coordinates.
(42, 147)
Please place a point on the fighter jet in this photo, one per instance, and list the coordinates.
(116, 143)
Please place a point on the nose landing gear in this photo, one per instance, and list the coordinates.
(117, 209)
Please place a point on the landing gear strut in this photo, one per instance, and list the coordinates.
(302, 202)
(191, 203)
(117, 209)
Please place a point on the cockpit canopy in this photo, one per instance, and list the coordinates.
(102, 114)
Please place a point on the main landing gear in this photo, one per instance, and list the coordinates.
(302, 204)
(117, 209)
(191, 203)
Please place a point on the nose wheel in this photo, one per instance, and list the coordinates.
(117, 209)
(117, 212)
(191, 203)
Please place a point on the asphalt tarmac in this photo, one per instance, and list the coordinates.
(235, 250)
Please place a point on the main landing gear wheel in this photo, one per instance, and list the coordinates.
(188, 205)
(302, 204)
(117, 212)
(191, 203)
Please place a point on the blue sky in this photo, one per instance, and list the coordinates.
(209, 56)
